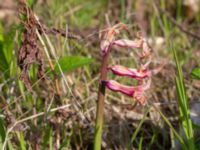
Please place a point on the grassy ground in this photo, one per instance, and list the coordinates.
(59, 112)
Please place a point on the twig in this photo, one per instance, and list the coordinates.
(62, 32)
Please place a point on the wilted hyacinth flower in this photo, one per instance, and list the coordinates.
(142, 74)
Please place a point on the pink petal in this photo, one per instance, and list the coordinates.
(141, 43)
(128, 43)
(107, 37)
(104, 46)
(158, 69)
(136, 92)
(117, 87)
(146, 86)
(139, 97)
(146, 50)
(133, 73)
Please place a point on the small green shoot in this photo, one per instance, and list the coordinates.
(2, 131)
(22, 142)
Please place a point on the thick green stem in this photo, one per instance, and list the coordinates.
(100, 104)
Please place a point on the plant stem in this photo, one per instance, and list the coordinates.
(100, 104)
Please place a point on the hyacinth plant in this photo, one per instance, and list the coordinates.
(141, 74)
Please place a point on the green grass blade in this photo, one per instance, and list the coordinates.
(140, 143)
(2, 130)
(21, 140)
(183, 105)
(3, 62)
(123, 10)
(178, 137)
(139, 126)
(46, 138)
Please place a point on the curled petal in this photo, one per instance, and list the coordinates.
(105, 45)
(133, 73)
(146, 85)
(139, 96)
(117, 87)
(146, 50)
(136, 92)
(146, 64)
(107, 37)
(128, 43)
(141, 43)
(158, 69)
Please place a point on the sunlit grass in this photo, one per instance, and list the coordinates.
(183, 103)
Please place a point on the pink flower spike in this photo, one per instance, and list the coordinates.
(133, 73)
(128, 43)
